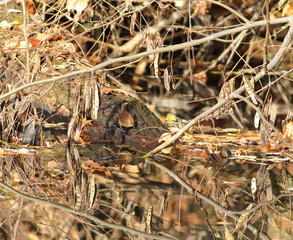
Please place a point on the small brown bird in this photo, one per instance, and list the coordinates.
(124, 117)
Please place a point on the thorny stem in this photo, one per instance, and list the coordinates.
(171, 48)
(83, 214)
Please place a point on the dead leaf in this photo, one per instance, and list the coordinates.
(92, 191)
(154, 41)
(149, 219)
(30, 7)
(167, 150)
(164, 137)
(256, 120)
(287, 126)
(244, 218)
(78, 6)
(34, 42)
(200, 8)
(200, 77)
(227, 88)
(249, 86)
(167, 79)
(132, 23)
(273, 114)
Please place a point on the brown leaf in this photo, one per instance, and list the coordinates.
(167, 79)
(162, 204)
(30, 7)
(287, 125)
(78, 6)
(200, 77)
(227, 88)
(154, 41)
(244, 218)
(249, 86)
(273, 114)
(200, 8)
(92, 191)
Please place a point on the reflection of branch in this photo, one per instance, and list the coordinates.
(147, 53)
(85, 215)
(262, 204)
(205, 198)
(277, 58)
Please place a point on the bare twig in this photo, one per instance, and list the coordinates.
(83, 214)
(265, 45)
(25, 33)
(16, 225)
(147, 53)
(262, 204)
(234, 45)
(285, 45)
(237, 14)
(135, 41)
(204, 198)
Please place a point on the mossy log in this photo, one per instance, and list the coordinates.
(142, 136)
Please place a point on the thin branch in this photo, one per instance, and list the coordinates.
(204, 198)
(285, 45)
(16, 225)
(83, 214)
(266, 40)
(237, 14)
(234, 45)
(147, 53)
(261, 204)
(140, 36)
(25, 34)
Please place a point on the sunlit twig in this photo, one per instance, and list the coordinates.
(174, 47)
